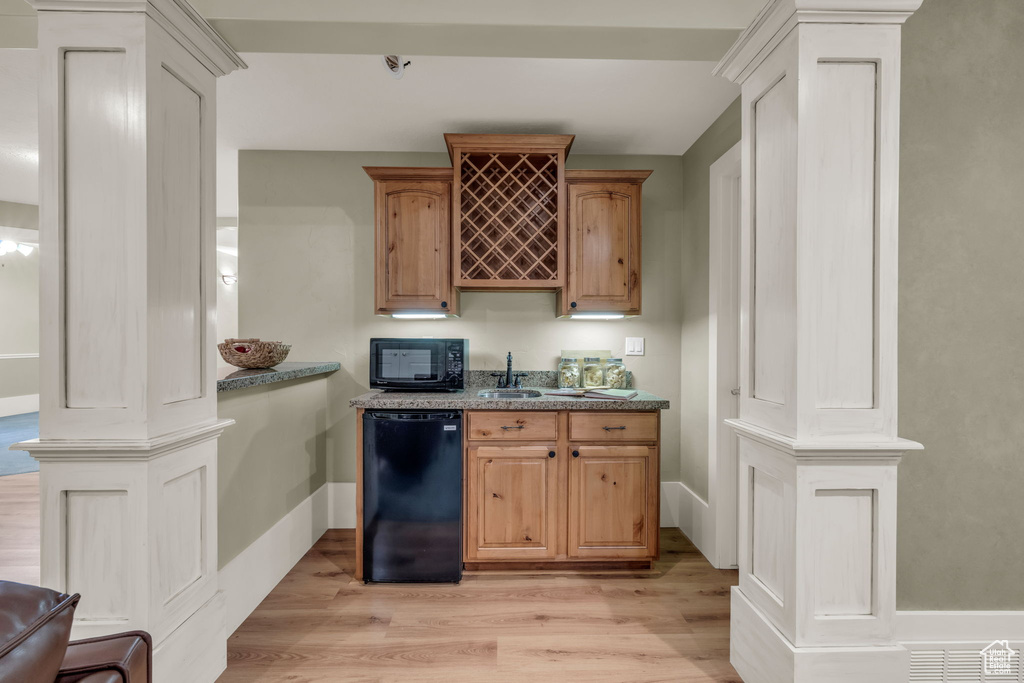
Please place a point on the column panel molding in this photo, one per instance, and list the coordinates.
(128, 410)
(817, 431)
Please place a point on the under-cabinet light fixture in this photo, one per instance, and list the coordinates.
(419, 316)
(597, 316)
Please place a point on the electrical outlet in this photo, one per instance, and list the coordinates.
(634, 346)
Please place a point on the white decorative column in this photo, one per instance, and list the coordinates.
(817, 429)
(128, 415)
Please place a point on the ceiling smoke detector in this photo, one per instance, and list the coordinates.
(395, 65)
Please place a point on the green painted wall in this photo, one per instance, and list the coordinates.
(961, 382)
(961, 335)
(306, 277)
(693, 398)
(272, 459)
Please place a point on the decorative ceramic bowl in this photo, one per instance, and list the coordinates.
(253, 353)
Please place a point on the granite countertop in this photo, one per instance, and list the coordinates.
(468, 400)
(230, 379)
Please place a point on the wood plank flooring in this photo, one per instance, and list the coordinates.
(319, 624)
(19, 528)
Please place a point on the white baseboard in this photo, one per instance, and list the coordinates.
(343, 505)
(959, 627)
(250, 576)
(18, 405)
(761, 654)
(670, 492)
(196, 650)
(688, 511)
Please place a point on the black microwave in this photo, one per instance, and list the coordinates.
(418, 364)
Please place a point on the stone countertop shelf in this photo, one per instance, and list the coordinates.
(230, 379)
(468, 400)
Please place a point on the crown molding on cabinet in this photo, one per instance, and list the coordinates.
(177, 17)
(605, 176)
(779, 17)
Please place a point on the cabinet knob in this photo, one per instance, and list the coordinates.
(444, 304)
(551, 454)
(572, 305)
(575, 454)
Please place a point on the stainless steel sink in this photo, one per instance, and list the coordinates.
(508, 393)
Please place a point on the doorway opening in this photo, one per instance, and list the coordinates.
(723, 358)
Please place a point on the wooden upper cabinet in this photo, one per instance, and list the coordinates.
(604, 245)
(412, 208)
(510, 211)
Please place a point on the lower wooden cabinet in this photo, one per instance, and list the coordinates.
(612, 501)
(514, 490)
(557, 501)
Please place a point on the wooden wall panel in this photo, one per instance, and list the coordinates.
(180, 551)
(177, 246)
(767, 530)
(844, 236)
(843, 542)
(774, 244)
(96, 116)
(97, 559)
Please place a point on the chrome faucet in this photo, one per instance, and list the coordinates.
(509, 379)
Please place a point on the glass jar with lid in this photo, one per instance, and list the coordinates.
(593, 373)
(568, 373)
(615, 374)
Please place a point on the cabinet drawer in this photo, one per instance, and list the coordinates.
(613, 426)
(513, 425)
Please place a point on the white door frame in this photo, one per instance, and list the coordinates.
(723, 358)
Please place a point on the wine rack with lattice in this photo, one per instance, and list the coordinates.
(509, 217)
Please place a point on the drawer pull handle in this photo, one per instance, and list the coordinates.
(516, 427)
(551, 454)
(575, 454)
(608, 429)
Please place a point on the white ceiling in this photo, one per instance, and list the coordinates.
(349, 102)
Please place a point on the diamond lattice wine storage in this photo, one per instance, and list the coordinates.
(507, 216)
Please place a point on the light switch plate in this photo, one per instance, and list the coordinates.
(634, 346)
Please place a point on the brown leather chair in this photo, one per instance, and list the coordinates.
(35, 627)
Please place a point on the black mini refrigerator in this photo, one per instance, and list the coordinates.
(412, 496)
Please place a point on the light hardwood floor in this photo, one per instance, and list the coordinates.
(19, 528)
(319, 624)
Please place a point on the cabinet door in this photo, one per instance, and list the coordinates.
(613, 502)
(511, 503)
(604, 248)
(413, 253)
